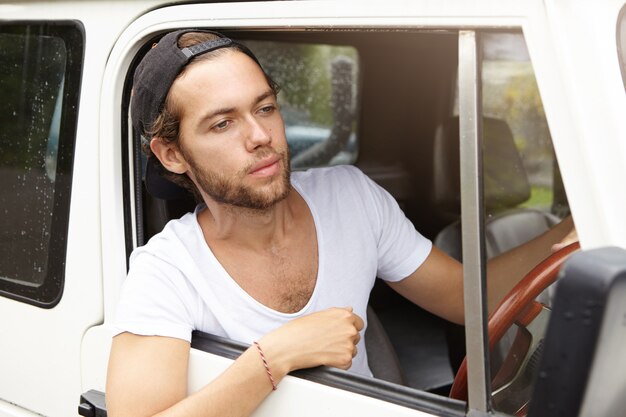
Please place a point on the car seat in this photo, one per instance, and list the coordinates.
(506, 186)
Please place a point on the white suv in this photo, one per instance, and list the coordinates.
(487, 121)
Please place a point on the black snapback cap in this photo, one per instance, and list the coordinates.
(153, 79)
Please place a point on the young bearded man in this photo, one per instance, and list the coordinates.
(284, 262)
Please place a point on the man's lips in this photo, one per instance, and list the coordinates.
(265, 166)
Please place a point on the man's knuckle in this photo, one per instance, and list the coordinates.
(346, 360)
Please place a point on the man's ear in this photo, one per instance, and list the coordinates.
(170, 156)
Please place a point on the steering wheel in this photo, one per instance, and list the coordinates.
(513, 383)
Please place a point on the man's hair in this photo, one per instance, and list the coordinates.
(166, 126)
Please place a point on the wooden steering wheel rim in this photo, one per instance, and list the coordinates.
(514, 304)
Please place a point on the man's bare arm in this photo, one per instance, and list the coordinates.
(507, 269)
(437, 285)
(147, 375)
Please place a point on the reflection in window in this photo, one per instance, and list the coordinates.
(510, 94)
(29, 136)
(317, 99)
(523, 193)
(515, 129)
(35, 156)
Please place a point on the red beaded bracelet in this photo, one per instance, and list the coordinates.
(267, 367)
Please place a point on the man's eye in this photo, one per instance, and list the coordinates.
(267, 109)
(222, 125)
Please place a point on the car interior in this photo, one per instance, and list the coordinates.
(391, 111)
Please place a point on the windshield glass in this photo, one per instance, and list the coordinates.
(621, 42)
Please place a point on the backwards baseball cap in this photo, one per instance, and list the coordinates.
(153, 79)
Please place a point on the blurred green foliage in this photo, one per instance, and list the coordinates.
(540, 197)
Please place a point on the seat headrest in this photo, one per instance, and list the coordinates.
(505, 180)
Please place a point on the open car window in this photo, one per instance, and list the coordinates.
(386, 101)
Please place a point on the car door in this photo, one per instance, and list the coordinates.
(40, 287)
(406, 60)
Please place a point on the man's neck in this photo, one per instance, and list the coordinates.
(255, 229)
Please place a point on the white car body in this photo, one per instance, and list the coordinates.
(50, 356)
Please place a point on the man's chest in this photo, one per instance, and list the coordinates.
(281, 279)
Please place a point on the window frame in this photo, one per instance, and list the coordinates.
(473, 221)
(375, 388)
(478, 401)
(404, 396)
(49, 294)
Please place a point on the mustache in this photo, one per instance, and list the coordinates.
(261, 154)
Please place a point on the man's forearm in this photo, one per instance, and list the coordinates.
(148, 374)
(507, 269)
(235, 393)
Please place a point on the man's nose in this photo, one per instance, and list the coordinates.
(258, 134)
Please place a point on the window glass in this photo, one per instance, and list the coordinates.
(621, 42)
(525, 174)
(511, 95)
(523, 192)
(523, 195)
(36, 139)
(318, 99)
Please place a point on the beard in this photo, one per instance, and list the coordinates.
(234, 192)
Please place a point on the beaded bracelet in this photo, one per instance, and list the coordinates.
(267, 367)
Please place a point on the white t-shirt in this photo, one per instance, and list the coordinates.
(176, 285)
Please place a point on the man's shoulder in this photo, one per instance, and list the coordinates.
(338, 174)
(169, 242)
(323, 187)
